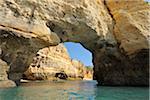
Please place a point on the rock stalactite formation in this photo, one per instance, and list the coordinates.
(116, 32)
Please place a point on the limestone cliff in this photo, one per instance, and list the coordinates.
(51, 61)
(4, 82)
(127, 62)
(20, 39)
(115, 31)
(79, 68)
(88, 73)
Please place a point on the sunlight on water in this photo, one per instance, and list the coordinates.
(72, 90)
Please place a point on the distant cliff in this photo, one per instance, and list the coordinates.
(52, 61)
(88, 73)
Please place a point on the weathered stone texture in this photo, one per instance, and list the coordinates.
(52, 60)
(115, 31)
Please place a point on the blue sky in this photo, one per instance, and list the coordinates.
(77, 51)
(147, 0)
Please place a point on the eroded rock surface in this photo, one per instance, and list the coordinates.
(80, 68)
(4, 81)
(132, 27)
(20, 39)
(51, 61)
(116, 32)
(126, 63)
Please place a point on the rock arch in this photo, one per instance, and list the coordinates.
(116, 32)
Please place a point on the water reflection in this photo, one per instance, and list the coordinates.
(72, 90)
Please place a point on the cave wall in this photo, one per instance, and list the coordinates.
(127, 62)
(18, 52)
(116, 32)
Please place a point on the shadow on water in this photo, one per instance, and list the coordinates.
(72, 90)
(9, 93)
(122, 93)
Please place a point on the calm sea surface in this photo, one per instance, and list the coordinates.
(72, 90)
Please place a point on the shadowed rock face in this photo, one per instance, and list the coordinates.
(119, 69)
(18, 52)
(116, 32)
(127, 62)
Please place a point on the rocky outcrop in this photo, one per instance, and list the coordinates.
(88, 73)
(80, 68)
(51, 61)
(116, 32)
(20, 39)
(126, 63)
(131, 28)
(4, 82)
(4, 69)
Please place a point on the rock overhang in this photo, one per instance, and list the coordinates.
(95, 24)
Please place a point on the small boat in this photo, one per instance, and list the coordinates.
(24, 81)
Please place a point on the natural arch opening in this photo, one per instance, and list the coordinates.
(83, 56)
(118, 49)
(69, 61)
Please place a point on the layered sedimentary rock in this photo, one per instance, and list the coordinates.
(116, 32)
(4, 82)
(20, 39)
(51, 61)
(126, 63)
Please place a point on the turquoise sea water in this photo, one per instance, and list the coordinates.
(72, 90)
